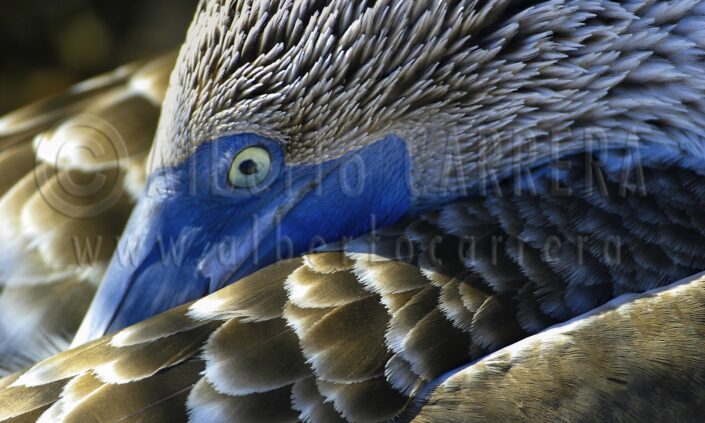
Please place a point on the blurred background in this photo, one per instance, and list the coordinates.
(48, 45)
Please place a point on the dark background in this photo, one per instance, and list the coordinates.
(48, 45)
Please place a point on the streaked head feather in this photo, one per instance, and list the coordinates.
(474, 84)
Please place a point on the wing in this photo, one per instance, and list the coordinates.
(389, 328)
(268, 357)
(636, 359)
(71, 168)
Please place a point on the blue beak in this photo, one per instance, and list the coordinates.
(192, 234)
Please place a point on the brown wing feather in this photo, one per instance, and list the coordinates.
(257, 368)
(19, 401)
(206, 404)
(311, 405)
(159, 398)
(638, 360)
(247, 358)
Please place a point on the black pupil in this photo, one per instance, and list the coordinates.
(248, 167)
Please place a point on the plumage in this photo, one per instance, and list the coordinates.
(520, 164)
(57, 242)
(216, 390)
(646, 366)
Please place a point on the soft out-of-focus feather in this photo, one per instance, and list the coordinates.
(372, 347)
(58, 229)
(16, 161)
(38, 321)
(30, 120)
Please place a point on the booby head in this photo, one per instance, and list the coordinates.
(289, 124)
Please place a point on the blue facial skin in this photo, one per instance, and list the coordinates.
(193, 232)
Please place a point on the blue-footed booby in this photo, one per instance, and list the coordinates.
(368, 211)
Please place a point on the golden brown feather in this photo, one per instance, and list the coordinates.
(637, 360)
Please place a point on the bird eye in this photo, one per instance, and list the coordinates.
(250, 167)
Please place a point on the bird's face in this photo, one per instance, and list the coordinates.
(288, 125)
(234, 206)
(353, 103)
